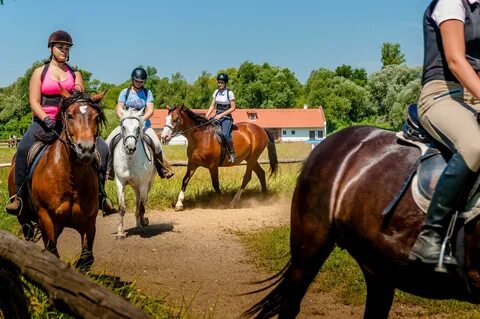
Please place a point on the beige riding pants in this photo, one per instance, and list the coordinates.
(149, 131)
(446, 111)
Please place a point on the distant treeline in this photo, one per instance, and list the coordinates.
(348, 95)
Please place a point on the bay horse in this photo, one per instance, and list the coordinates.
(203, 150)
(65, 184)
(133, 165)
(345, 184)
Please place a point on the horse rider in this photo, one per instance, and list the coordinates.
(448, 107)
(223, 103)
(138, 97)
(45, 99)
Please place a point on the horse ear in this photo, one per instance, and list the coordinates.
(169, 109)
(64, 92)
(98, 97)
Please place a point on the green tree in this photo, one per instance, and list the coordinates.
(391, 54)
(359, 76)
(200, 92)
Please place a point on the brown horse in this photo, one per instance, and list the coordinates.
(64, 184)
(344, 186)
(249, 141)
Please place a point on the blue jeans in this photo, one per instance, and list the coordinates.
(227, 123)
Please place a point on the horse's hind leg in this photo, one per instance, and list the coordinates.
(261, 177)
(379, 297)
(190, 170)
(121, 202)
(215, 181)
(311, 242)
(246, 179)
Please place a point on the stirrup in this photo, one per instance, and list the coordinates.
(18, 211)
(446, 241)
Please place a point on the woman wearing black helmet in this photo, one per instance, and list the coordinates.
(138, 97)
(223, 103)
(45, 98)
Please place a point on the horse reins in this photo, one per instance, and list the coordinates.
(188, 129)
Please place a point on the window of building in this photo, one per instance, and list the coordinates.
(293, 132)
(320, 134)
(252, 116)
(284, 132)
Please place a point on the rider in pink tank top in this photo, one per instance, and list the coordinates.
(51, 87)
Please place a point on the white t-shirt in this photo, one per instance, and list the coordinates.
(221, 97)
(449, 10)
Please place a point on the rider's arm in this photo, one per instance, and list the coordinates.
(121, 103)
(210, 109)
(453, 38)
(35, 94)
(79, 81)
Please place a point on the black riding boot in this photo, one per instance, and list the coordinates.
(160, 166)
(102, 199)
(455, 181)
(231, 152)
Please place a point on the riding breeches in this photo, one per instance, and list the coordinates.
(149, 131)
(227, 123)
(448, 112)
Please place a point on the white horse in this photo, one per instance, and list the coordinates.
(133, 165)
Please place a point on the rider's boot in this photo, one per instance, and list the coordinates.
(103, 203)
(451, 190)
(162, 171)
(231, 152)
(14, 206)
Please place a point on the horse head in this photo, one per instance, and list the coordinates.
(81, 117)
(173, 122)
(132, 125)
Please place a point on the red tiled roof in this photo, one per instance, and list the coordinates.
(267, 118)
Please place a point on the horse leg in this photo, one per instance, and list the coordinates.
(246, 178)
(84, 263)
(48, 231)
(261, 177)
(190, 170)
(215, 181)
(141, 196)
(121, 200)
(379, 297)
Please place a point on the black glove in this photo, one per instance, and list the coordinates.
(49, 123)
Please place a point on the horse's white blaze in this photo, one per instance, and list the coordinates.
(136, 170)
(167, 130)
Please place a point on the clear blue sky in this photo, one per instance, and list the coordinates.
(111, 37)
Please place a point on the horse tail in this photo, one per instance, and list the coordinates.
(272, 153)
(270, 305)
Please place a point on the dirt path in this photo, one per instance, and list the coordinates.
(195, 257)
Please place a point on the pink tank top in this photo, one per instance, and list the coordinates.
(50, 88)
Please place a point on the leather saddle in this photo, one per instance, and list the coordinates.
(221, 139)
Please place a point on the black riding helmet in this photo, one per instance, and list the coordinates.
(139, 74)
(222, 77)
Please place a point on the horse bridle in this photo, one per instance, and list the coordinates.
(173, 128)
(69, 142)
(125, 138)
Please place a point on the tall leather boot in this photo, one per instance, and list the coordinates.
(231, 152)
(103, 203)
(162, 171)
(452, 189)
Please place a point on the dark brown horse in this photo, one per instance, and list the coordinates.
(249, 141)
(344, 186)
(64, 187)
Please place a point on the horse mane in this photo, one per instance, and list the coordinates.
(79, 96)
(196, 118)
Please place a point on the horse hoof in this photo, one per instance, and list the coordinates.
(145, 221)
(178, 208)
(120, 236)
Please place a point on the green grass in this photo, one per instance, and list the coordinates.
(340, 275)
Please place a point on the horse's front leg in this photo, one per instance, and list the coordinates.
(121, 201)
(141, 194)
(48, 231)
(190, 170)
(84, 263)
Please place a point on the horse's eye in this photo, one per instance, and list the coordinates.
(69, 116)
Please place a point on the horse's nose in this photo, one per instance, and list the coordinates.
(131, 149)
(87, 148)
